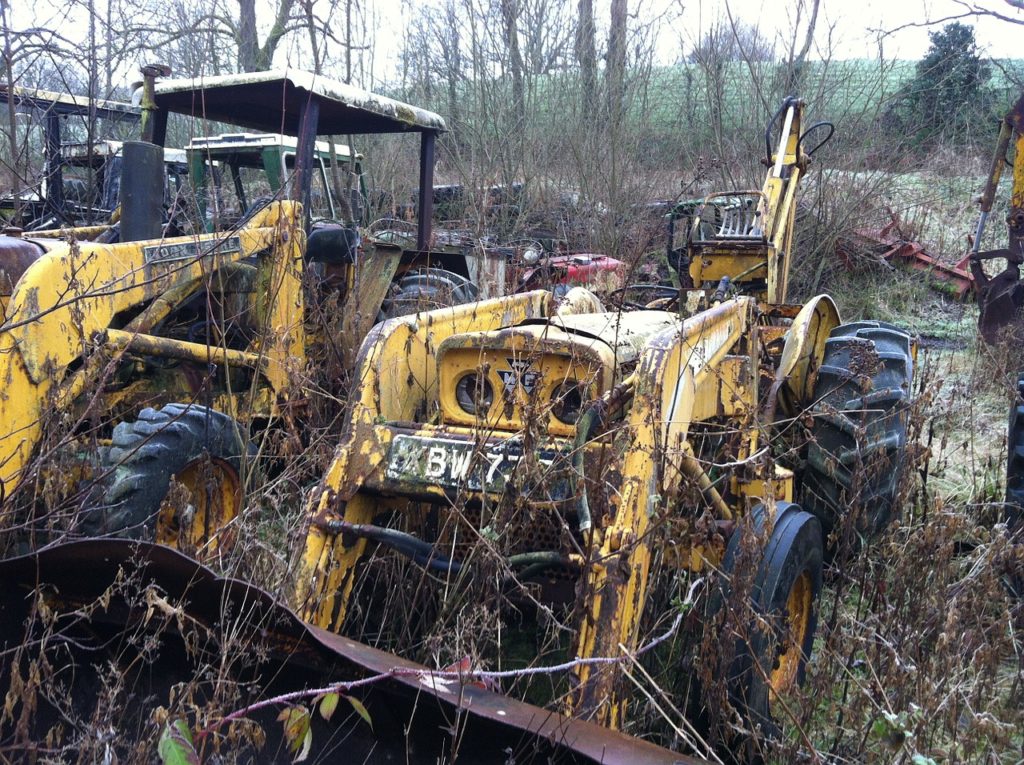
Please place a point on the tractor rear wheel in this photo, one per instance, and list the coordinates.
(1013, 512)
(772, 649)
(858, 443)
(1015, 461)
(172, 476)
(424, 289)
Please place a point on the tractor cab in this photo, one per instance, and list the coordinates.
(80, 182)
(406, 272)
(91, 176)
(234, 173)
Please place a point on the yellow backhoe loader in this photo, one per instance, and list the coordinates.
(588, 464)
(1001, 300)
(158, 354)
(624, 483)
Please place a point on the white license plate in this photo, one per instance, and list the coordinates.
(455, 464)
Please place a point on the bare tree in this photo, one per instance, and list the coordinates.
(586, 51)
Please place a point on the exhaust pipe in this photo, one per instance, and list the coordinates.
(142, 191)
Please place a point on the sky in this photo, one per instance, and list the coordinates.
(856, 24)
(846, 28)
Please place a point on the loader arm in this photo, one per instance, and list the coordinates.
(1001, 297)
(72, 298)
(682, 381)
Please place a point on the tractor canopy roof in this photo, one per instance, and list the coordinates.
(227, 143)
(271, 102)
(80, 151)
(63, 103)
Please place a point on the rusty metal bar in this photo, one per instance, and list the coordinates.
(150, 345)
(693, 470)
(305, 147)
(80, 233)
(426, 206)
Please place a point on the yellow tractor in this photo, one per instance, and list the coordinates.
(1001, 299)
(591, 465)
(202, 336)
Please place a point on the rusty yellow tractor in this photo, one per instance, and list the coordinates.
(593, 464)
(681, 470)
(160, 351)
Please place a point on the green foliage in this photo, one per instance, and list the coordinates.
(949, 96)
(175, 746)
(297, 731)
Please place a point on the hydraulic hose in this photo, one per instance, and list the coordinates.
(419, 551)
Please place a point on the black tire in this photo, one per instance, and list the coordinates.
(791, 565)
(1013, 510)
(425, 289)
(143, 457)
(1015, 461)
(858, 445)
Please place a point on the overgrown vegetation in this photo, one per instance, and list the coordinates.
(920, 654)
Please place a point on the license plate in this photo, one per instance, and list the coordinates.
(456, 464)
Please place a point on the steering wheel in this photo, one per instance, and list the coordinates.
(392, 230)
(660, 291)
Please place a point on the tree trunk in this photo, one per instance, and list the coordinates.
(796, 66)
(586, 53)
(615, 71)
(248, 46)
(510, 18)
(12, 109)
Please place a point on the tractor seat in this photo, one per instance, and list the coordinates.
(332, 244)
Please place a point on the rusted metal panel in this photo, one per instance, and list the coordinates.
(373, 274)
(65, 103)
(890, 244)
(487, 269)
(412, 708)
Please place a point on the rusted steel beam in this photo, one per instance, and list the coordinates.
(426, 206)
(889, 245)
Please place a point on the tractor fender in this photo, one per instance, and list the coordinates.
(803, 351)
(16, 255)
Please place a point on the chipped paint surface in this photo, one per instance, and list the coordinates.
(67, 298)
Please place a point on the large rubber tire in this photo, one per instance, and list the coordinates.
(858, 445)
(425, 289)
(1015, 461)
(771, 654)
(145, 454)
(1013, 513)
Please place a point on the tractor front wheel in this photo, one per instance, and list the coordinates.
(773, 641)
(172, 476)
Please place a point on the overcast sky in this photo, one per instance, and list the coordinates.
(854, 24)
(846, 28)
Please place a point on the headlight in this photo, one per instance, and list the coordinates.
(567, 402)
(474, 394)
(531, 256)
